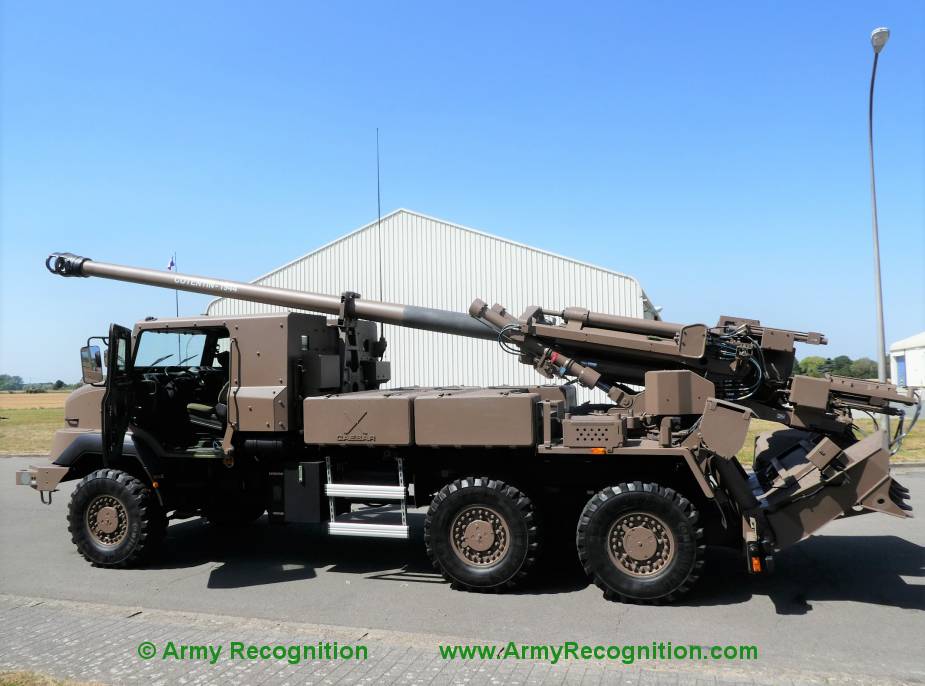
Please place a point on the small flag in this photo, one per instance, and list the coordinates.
(172, 265)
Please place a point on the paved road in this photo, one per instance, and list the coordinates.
(846, 605)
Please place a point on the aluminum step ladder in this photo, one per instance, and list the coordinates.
(351, 523)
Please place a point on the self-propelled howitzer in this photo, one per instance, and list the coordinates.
(233, 417)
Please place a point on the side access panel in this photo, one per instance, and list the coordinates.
(259, 408)
(482, 416)
(429, 417)
(363, 418)
(296, 494)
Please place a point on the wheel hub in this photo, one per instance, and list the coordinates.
(640, 544)
(107, 520)
(479, 536)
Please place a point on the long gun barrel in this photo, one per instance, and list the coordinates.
(426, 318)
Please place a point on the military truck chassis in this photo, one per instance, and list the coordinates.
(231, 417)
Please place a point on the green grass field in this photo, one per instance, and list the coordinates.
(29, 431)
(28, 422)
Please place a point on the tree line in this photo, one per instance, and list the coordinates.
(11, 382)
(861, 368)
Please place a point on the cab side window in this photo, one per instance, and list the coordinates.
(220, 360)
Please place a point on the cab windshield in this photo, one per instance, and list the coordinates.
(171, 349)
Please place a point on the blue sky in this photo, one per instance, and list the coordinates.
(716, 151)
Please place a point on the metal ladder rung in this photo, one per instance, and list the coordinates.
(373, 491)
(368, 530)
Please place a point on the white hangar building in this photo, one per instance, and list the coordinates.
(907, 362)
(414, 259)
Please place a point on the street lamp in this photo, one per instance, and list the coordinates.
(878, 39)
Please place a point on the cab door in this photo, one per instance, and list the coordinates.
(117, 400)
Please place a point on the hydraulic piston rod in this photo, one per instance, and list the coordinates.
(646, 327)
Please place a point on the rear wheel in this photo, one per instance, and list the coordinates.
(639, 542)
(114, 518)
(481, 534)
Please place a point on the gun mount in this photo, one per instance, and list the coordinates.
(284, 414)
(745, 363)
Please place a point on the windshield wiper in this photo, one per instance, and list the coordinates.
(159, 360)
(186, 359)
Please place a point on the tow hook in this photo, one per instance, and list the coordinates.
(44, 479)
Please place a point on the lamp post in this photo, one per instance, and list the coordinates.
(878, 39)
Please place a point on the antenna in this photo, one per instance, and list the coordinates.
(379, 215)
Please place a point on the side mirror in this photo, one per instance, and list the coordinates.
(91, 364)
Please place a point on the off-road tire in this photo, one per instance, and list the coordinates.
(676, 520)
(505, 504)
(139, 518)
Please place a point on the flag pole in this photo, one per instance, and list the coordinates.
(176, 301)
(176, 292)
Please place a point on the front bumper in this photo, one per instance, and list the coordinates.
(42, 479)
(45, 479)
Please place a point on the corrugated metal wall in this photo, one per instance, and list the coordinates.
(432, 263)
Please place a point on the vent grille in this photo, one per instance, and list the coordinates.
(592, 432)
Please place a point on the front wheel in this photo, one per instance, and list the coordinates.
(481, 534)
(639, 542)
(114, 519)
